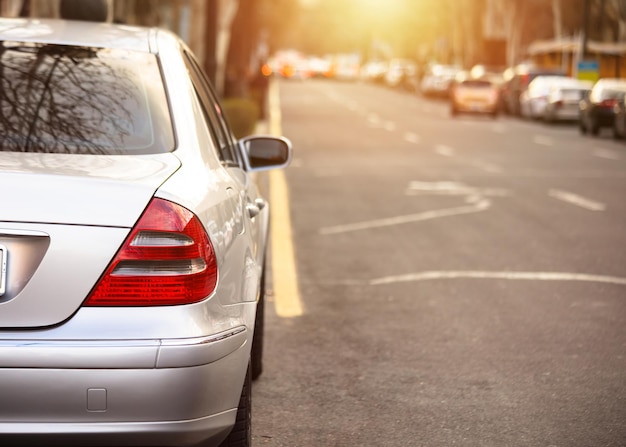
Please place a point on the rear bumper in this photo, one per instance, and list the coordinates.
(174, 433)
(475, 106)
(566, 112)
(157, 393)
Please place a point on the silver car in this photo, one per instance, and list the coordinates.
(132, 242)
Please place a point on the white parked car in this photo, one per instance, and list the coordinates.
(534, 99)
(132, 242)
(564, 100)
(438, 80)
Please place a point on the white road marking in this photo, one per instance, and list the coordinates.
(605, 153)
(452, 188)
(543, 140)
(528, 276)
(446, 151)
(412, 137)
(372, 118)
(577, 200)
(390, 126)
(391, 221)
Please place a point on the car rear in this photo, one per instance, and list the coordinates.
(603, 109)
(563, 103)
(474, 96)
(119, 323)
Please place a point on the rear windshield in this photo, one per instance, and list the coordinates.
(612, 94)
(69, 99)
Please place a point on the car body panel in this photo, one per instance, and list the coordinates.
(535, 99)
(597, 110)
(474, 96)
(563, 101)
(516, 81)
(438, 79)
(109, 191)
(141, 375)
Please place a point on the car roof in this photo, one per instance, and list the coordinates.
(73, 32)
(610, 82)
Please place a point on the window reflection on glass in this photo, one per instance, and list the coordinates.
(67, 99)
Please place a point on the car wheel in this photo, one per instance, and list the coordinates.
(257, 338)
(594, 129)
(582, 127)
(454, 111)
(616, 134)
(241, 434)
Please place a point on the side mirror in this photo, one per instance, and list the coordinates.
(264, 152)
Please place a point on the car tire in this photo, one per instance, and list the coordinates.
(582, 127)
(616, 134)
(454, 112)
(241, 434)
(257, 338)
(594, 129)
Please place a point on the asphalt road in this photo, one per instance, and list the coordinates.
(461, 281)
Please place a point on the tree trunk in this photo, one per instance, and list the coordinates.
(556, 14)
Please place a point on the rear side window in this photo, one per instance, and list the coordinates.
(70, 99)
(611, 94)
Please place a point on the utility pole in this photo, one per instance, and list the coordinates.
(585, 38)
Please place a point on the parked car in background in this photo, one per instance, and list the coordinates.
(476, 96)
(374, 71)
(438, 79)
(534, 99)
(564, 98)
(516, 81)
(132, 242)
(401, 73)
(597, 110)
(619, 122)
(345, 66)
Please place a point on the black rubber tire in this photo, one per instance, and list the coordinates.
(241, 434)
(256, 356)
(616, 134)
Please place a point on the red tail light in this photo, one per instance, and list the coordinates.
(608, 103)
(167, 259)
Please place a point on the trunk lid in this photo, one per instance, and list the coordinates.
(62, 219)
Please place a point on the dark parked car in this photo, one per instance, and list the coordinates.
(619, 123)
(597, 110)
(516, 80)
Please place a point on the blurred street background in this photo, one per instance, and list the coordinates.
(457, 279)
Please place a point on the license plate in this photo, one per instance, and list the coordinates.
(3, 269)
